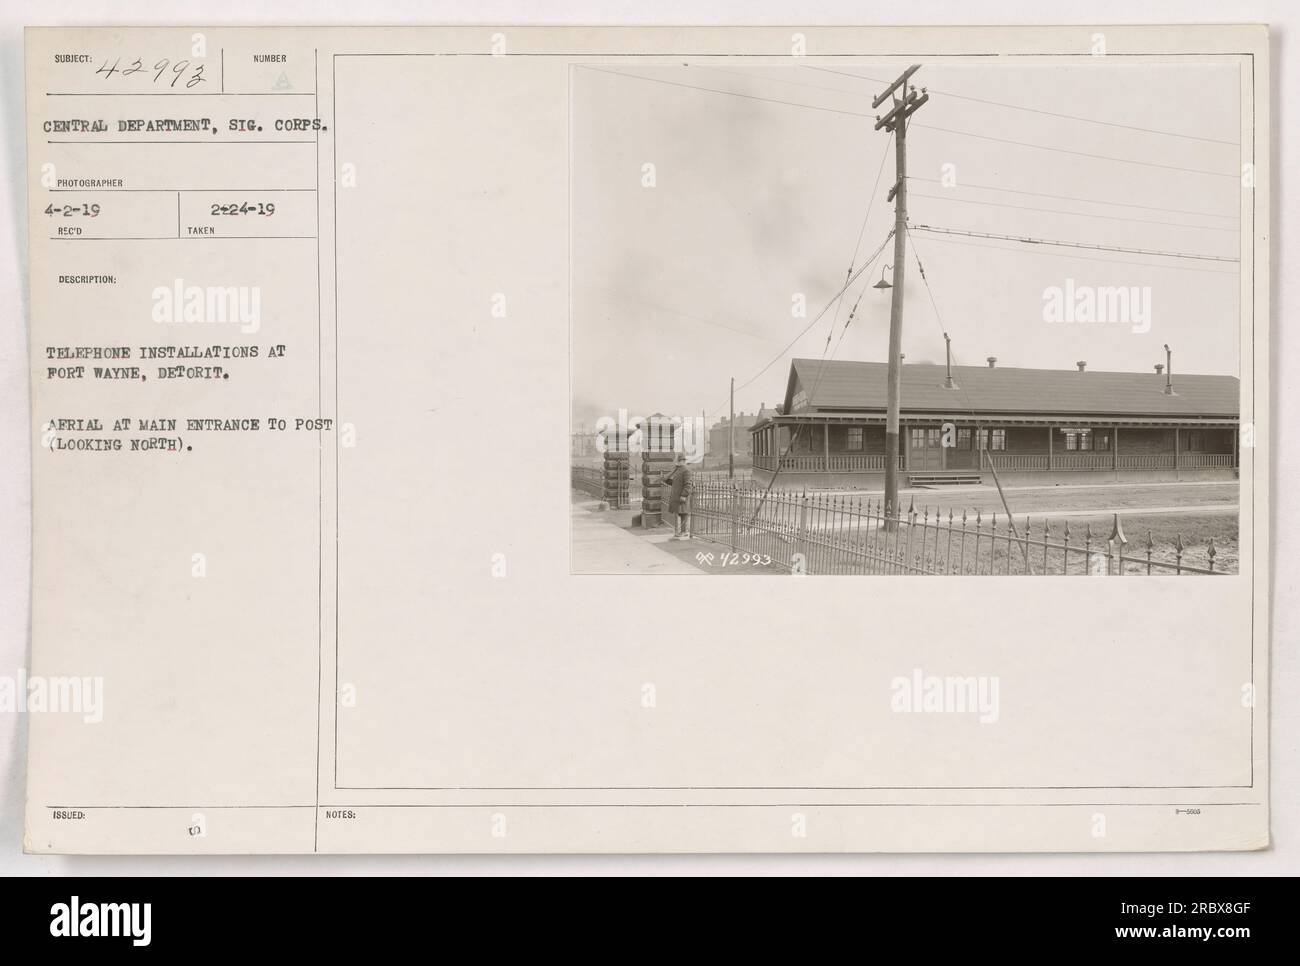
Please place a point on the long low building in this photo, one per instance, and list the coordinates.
(956, 423)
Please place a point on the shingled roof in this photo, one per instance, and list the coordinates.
(845, 386)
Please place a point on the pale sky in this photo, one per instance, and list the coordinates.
(679, 287)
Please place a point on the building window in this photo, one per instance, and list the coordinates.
(1195, 441)
(963, 439)
(932, 438)
(999, 439)
(918, 438)
(1086, 440)
(853, 439)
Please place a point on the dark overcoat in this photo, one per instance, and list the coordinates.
(679, 489)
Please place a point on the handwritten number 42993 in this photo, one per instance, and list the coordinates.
(163, 70)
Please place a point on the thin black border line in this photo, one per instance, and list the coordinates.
(334, 242)
(320, 460)
(208, 143)
(169, 190)
(118, 238)
(779, 788)
(785, 58)
(180, 93)
(333, 96)
(1254, 398)
(799, 804)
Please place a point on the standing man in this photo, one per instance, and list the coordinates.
(679, 497)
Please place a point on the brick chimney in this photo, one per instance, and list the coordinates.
(1160, 367)
(993, 362)
(1082, 364)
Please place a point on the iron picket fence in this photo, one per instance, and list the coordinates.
(588, 479)
(827, 533)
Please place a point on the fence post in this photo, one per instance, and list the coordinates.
(911, 525)
(1117, 533)
(734, 495)
(802, 545)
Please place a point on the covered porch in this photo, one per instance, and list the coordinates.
(848, 449)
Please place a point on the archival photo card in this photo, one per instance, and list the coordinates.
(401, 395)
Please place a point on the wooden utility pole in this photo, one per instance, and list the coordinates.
(906, 101)
(731, 434)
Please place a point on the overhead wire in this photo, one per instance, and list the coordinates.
(871, 200)
(1079, 214)
(1081, 154)
(852, 276)
(1095, 201)
(817, 318)
(1037, 110)
(970, 408)
(1060, 243)
(714, 90)
(1170, 266)
(931, 127)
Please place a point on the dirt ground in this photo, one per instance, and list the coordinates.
(1163, 511)
(1047, 500)
(1163, 529)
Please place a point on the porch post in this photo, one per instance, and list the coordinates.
(1050, 433)
(1114, 452)
(826, 446)
(905, 444)
(1175, 452)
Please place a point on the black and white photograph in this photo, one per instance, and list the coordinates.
(933, 318)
